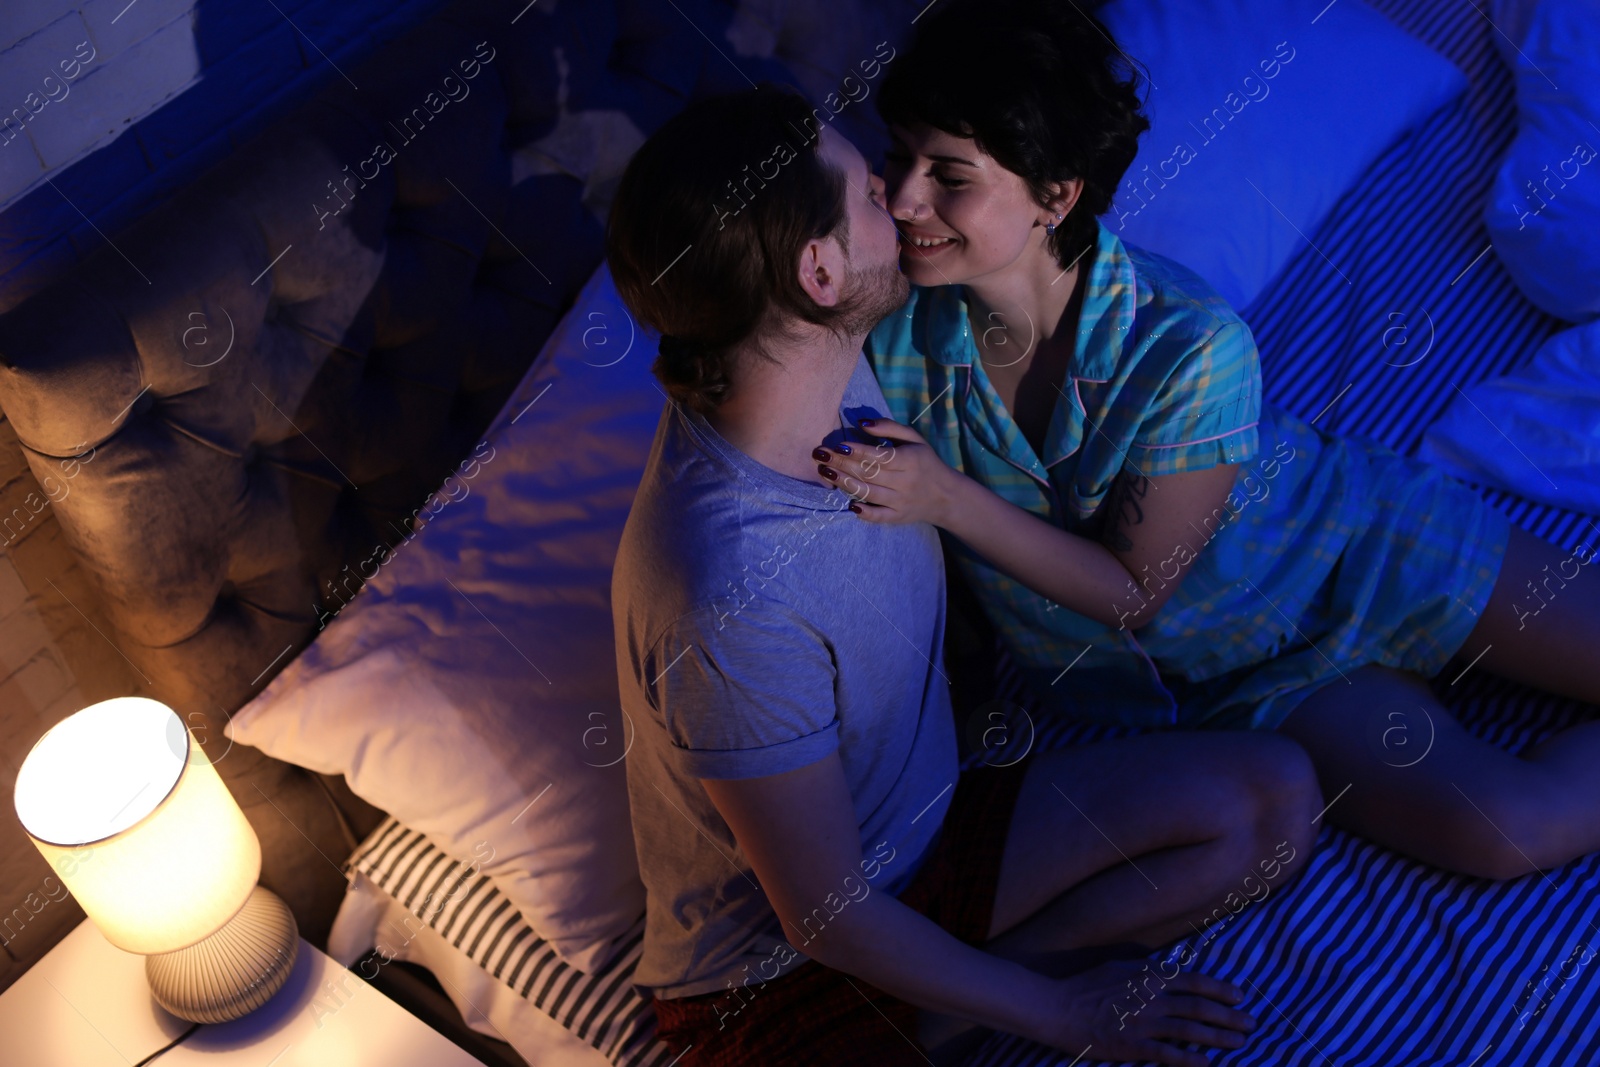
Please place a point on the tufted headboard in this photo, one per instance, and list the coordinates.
(238, 399)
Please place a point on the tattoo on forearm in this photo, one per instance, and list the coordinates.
(1127, 510)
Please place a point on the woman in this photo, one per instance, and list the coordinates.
(1155, 542)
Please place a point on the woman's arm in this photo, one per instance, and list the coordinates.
(800, 833)
(1122, 581)
(1154, 530)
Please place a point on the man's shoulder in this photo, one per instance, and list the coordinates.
(685, 516)
(863, 396)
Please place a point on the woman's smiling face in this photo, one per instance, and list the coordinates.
(962, 216)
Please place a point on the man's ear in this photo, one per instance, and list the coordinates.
(822, 271)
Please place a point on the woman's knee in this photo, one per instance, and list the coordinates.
(1282, 777)
(1261, 792)
(1285, 792)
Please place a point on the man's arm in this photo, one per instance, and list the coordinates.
(757, 699)
(799, 831)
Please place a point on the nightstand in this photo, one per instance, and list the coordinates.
(86, 1004)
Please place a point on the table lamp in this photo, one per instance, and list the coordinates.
(126, 807)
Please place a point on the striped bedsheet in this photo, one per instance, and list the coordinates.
(464, 907)
(1369, 959)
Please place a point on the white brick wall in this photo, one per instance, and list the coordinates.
(19, 20)
(73, 75)
(12, 592)
(34, 675)
(51, 653)
(55, 658)
(115, 25)
(38, 685)
(22, 637)
(40, 681)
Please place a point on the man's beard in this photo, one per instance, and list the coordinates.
(874, 294)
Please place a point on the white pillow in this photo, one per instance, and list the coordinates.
(1548, 236)
(1509, 20)
(470, 690)
(1254, 93)
(1550, 408)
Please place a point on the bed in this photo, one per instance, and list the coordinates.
(1367, 958)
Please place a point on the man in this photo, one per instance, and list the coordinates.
(816, 866)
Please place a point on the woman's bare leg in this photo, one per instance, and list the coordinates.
(1142, 839)
(1542, 623)
(1398, 769)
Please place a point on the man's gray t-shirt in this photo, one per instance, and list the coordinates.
(760, 625)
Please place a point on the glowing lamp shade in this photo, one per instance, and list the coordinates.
(137, 823)
(129, 812)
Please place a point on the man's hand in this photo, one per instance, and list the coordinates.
(900, 480)
(1145, 1021)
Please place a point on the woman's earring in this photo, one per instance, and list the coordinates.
(1050, 227)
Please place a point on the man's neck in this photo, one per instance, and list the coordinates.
(777, 412)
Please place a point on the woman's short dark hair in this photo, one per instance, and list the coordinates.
(1039, 85)
(707, 226)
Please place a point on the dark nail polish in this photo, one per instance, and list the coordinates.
(820, 454)
(828, 473)
(868, 422)
(855, 508)
(842, 448)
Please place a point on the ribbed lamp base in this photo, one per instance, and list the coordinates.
(235, 970)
